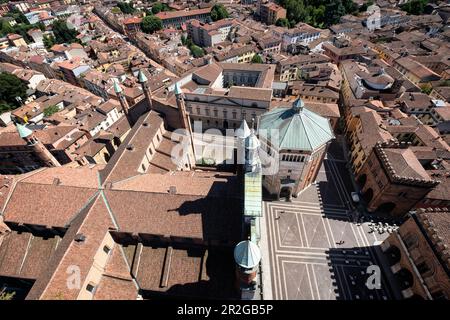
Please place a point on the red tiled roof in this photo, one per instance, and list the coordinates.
(132, 20)
(178, 14)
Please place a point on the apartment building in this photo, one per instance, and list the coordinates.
(209, 34)
(221, 95)
(177, 18)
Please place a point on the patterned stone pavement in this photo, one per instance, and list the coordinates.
(305, 260)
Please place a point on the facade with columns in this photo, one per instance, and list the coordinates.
(221, 95)
(297, 139)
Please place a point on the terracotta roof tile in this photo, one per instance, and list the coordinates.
(45, 205)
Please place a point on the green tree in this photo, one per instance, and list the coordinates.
(50, 110)
(40, 26)
(365, 6)
(257, 59)
(6, 107)
(116, 10)
(219, 12)
(283, 22)
(126, 7)
(151, 24)
(6, 296)
(319, 13)
(295, 10)
(6, 28)
(158, 7)
(415, 7)
(49, 41)
(62, 33)
(196, 51)
(426, 88)
(11, 87)
(189, 42)
(183, 40)
(350, 6)
(334, 11)
(19, 28)
(18, 16)
(315, 16)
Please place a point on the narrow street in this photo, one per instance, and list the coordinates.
(129, 42)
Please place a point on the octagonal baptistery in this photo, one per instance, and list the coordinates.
(297, 139)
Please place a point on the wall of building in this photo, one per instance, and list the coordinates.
(384, 192)
(416, 256)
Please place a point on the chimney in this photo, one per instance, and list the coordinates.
(172, 190)
(80, 237)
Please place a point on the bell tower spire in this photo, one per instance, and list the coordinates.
(184, 117)
(142, 79)
(37, 146)
(123, 101)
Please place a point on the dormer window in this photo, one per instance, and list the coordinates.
(106, 249)
(91, 287)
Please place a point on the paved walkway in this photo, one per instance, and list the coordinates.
(304, 258)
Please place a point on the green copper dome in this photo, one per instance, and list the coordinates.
(299, 128)
(247, 254)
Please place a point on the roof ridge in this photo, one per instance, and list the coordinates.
(60, 258)
(125, 179)
(303, 123)
(14, 185)
(105, 200)
(88, 201)
(50, 184)
(319, 125)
